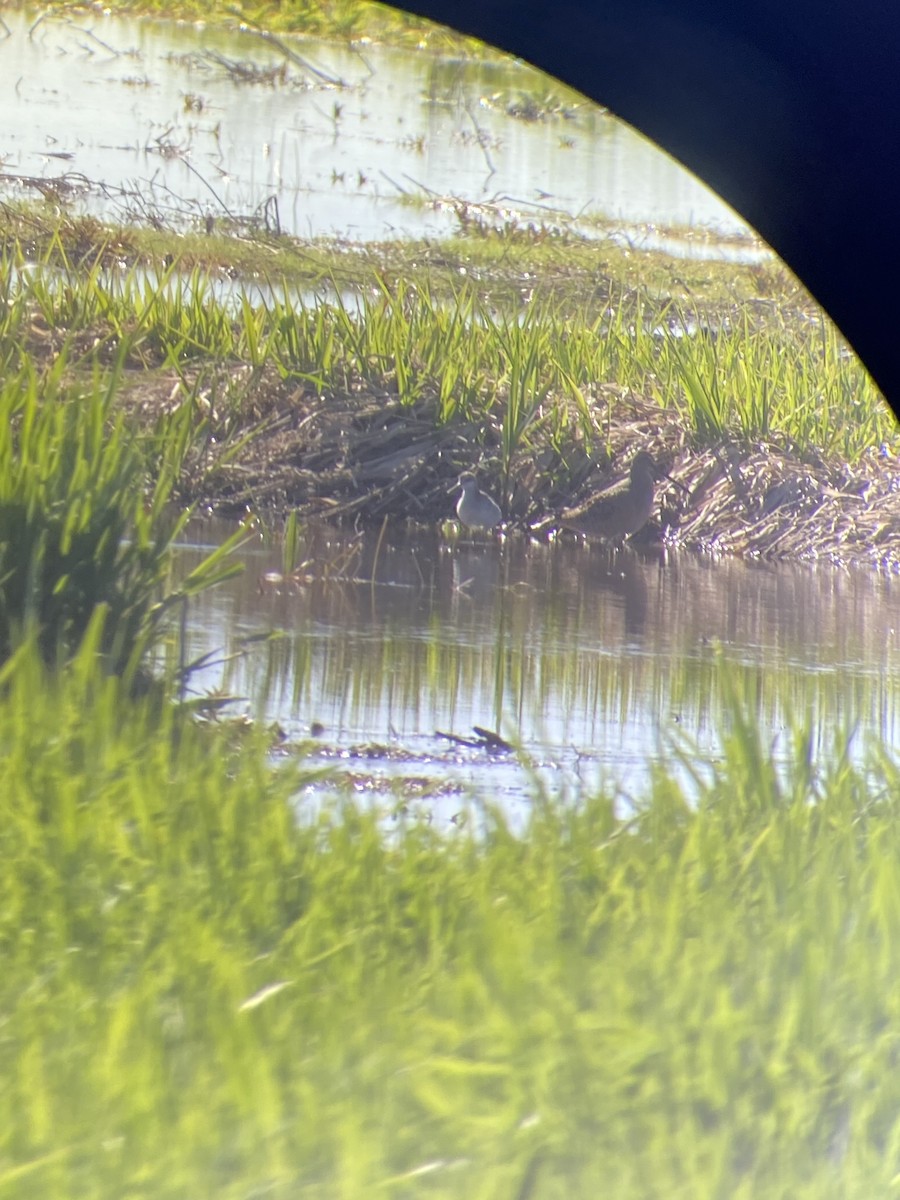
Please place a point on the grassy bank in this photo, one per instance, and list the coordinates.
(364, 388)
(203, 995)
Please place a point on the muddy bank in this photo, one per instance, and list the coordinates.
(362, 457)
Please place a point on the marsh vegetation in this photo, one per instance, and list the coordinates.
(371, 393)
(212, 987)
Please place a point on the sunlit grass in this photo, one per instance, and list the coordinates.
(521, 377)
(86, 520)
(205, 992)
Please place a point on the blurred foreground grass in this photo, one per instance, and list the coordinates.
(209, 992)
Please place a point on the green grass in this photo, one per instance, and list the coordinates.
(524, 376)
(203, 995)
(86, 516)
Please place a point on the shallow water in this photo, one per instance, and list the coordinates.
(149, 119)
(598, 664)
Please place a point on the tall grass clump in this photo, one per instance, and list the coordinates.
(82, 526)
(793, 381)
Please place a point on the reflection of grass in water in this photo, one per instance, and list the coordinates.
(526, 680)
(595, 638)
(203, 997)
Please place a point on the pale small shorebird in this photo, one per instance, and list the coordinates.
(474, 507)
(622, 513)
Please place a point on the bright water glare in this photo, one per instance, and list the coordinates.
(158, 120)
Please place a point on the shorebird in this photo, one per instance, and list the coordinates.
(474, 507)
(621, 513)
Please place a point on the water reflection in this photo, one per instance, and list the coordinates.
(590, 659)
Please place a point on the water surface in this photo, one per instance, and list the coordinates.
(149, 120)
(596, 663)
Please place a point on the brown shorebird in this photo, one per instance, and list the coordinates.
(475, 508)
(621, 513)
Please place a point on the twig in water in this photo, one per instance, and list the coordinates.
(482, 139)
(252, 27)
(89, 33)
